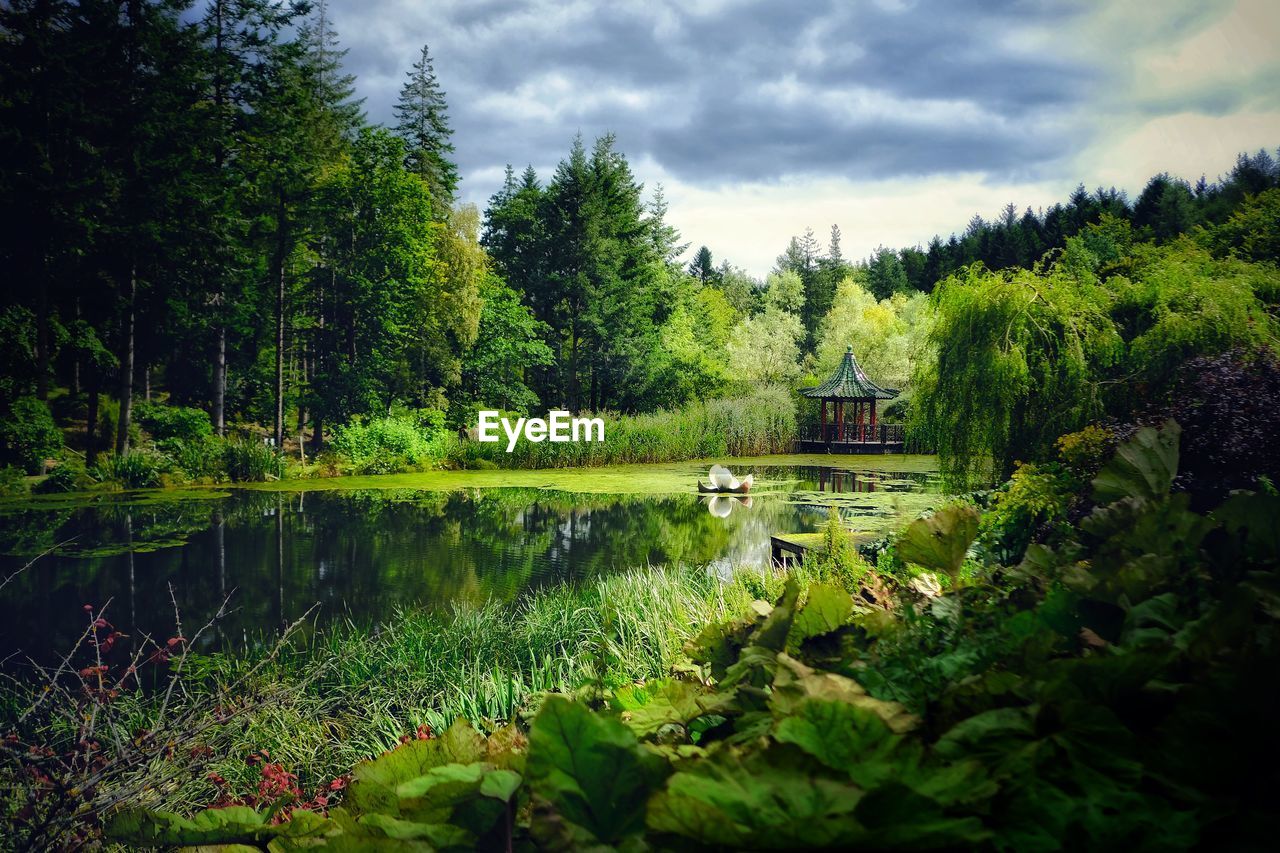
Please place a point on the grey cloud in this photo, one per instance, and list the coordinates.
(706, 120)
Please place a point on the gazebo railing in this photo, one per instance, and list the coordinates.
(853, 434)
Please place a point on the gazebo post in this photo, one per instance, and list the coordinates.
(862, 416)
(874, 436)
(823, 434)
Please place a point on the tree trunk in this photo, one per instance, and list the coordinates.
(317, 434)
(91, 428)
(220, 383)
(42, 344)
(75, 365)
(126, 366)
(573, 367)
(277, 271)
(146, 383)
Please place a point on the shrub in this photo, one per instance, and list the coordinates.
(173, 422)
(249, 461)
(392, 443)
(1229, 409)
(28, 435)
(68, 476)
(1033, 497)
(13, 482)
(140, 469)
(1084, 452)
(202, 458)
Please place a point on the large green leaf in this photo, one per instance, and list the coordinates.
(939, 543)
(841, 735)
(374, 782)
(591, 772)
(1143, 467)
(794, 683)
(827, 608)
(733, 802)
(472, 796)
(230, 825)
(646, 709)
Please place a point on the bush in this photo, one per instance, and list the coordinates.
(140, 469)
(173, 422)
(1229, 409)
(68, 476)
(393, 443)
(249, 461)
(202, 458)
(28, 435)
(13, 482)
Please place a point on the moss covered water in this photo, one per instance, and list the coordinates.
(363, 547)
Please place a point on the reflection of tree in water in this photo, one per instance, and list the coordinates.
(359, 554)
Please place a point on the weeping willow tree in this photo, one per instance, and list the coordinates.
(1015, 356)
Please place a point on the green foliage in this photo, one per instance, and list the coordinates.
(140, 469)
(13, 481)
(1035, 496)
(591, 774)
(1143, 468)
(766, 347)
(203, 457)
(28, 435)
(250, 460)
(67, 476)
(740, 426)
(1014, 357)
(509, 343)
(888, 336)
(1252, 232)
(1019, 358)
(939, 542)
(172, 422)
(838, 559)
(393, 443)
(1084, 451)
(1177, 302)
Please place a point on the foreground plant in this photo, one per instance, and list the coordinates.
(1063, 702)
(112, 724)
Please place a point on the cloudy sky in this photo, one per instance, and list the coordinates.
(895, 119)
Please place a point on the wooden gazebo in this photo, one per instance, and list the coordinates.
(853, 431)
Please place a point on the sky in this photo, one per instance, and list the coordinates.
(893, 119)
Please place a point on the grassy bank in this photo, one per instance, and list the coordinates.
(176, 447)
(324, 701)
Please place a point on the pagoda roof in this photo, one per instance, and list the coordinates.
(849, 382)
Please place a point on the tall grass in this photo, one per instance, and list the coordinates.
(320, 704)
(764, 422)
(351, 692)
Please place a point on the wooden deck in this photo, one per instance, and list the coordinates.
(787, 548)
(883, 438)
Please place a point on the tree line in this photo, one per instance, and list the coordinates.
(195, 205)
(197, 195)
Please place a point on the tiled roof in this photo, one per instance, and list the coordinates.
(849, 383)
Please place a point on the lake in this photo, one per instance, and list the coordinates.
(362, 547)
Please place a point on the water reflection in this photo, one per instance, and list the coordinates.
(722, 505)
(363, 554)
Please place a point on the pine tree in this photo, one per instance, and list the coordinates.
(834, 252)
(702, 267)
(423, 123)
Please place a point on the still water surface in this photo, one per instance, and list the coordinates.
(364, 553)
